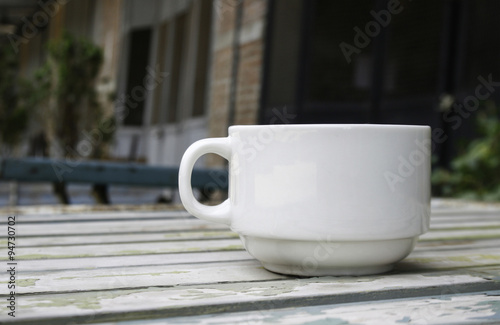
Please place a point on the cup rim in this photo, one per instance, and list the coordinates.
(366, 126)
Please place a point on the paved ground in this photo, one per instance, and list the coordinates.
(40, 194)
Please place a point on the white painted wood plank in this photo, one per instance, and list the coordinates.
(89, 263)
(433, 234)
(465, 225)
(479, 215)
(464, 250)
(452, 205)
(451, 213)
(443, 309)
(123, 249)
(121, 215)
(120, 238)
(460, 215)
(175, 300)
(461, 234)
(454, 245)
(144, 276)
(213, 234)
(458, 221)
(105, 227)
(98, 216)
(443, 216)
(420, 261)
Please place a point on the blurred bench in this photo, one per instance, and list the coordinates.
(102, 174)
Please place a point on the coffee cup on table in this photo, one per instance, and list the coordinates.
(327, 199)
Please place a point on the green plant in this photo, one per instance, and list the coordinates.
(13, 117)
(63, 90)
(475, 173)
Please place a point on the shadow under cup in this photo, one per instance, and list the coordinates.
(321, 199)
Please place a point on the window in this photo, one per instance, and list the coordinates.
(482, 42)
(177, 60)
(202, 55)
(140, 40)
(330, 77)
(161, 61)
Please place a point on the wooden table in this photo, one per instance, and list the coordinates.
(138, 265)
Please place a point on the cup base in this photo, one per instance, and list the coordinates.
(326, 271)
(324, 258)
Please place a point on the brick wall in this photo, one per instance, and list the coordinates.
(251, 39)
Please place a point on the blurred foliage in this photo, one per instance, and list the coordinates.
(475, 173)
(13, 117)
(63, 91)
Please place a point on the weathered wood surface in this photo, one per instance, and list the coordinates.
(160, 267)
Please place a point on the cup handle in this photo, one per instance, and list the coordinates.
(220, 213)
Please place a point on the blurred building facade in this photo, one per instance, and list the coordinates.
(176, 71)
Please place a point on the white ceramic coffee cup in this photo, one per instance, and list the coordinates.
(333, 199)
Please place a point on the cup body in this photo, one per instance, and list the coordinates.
(330, 182)
(317, 200)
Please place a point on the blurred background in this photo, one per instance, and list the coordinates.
(131, 80)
